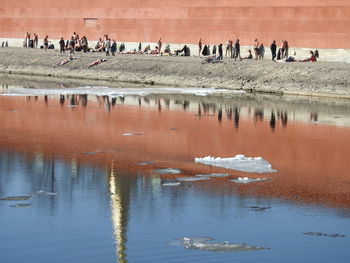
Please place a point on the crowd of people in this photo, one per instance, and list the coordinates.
(109, 47)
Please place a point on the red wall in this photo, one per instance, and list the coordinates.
(305, 23)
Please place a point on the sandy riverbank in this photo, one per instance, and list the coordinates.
(317, 79)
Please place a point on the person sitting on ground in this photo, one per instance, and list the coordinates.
(147, 49)
(99, 46)
(167, 50)
(249, 56)
(96, 62)
(84, 44)
(312, 58)
(185, 50)
(69, 59)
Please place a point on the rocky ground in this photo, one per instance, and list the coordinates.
(327, 79)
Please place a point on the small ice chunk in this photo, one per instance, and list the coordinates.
(192, 179)
(16, 198)
(20, 205)
(247, 180)
(132, 133)
(218, 175)
(168, 171)
(323, 234)
(50, 193)
(187, 240)
(145, 163)
(171, 184)
(207, 244)
(239, 163)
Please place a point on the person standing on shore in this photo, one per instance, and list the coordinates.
(200, 45)
(62, 45)
(256, 48)
(72, 45)
(25, 42)
(36, 40)
(273, 49)
(237, 50)
(107, 46)
(159, 43)
(220, 52)
(114, 47)
(46, 43)
(261, 51)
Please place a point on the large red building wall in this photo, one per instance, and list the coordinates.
(305, 23)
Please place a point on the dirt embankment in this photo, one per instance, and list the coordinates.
(317, 79)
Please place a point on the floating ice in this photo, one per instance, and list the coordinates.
(322, 234)
(207, 245)
(21, 205)
(114, 92)
(212, 175)
(47, 193)
(132, 133)
(50, 193)
(247, 180)
(171, 184)
(16, 198)
(239, 163)
(192, 179)
(144, 163)
(180, 242)
(259, 208)
(168, 171)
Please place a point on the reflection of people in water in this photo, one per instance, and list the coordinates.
(314, 116)
(220, 115)
(236, 118)
(114, 100)
(284, 118)
(185, 104)
(84, 99)
(273, 121)
(62, 99)
(258, 115)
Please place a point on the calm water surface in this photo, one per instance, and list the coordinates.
(81, 159)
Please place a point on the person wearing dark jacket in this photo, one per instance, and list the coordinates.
(273, 48)
(220, 52)
(62, 45)
(237, 50)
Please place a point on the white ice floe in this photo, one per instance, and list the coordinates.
(247, 180)
(168, 171)
(132, 133)
(171, 184)
(114, 92)
(212, 175)
(192, 179)
(239, 163)
(207, 244)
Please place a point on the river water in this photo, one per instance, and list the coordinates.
(98, 174)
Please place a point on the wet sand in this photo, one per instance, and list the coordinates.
(312, 168)
(325, 79)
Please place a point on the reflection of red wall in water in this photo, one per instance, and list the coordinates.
(312, 160)
(305, 23)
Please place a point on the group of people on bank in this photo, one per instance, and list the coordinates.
(109, 47)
